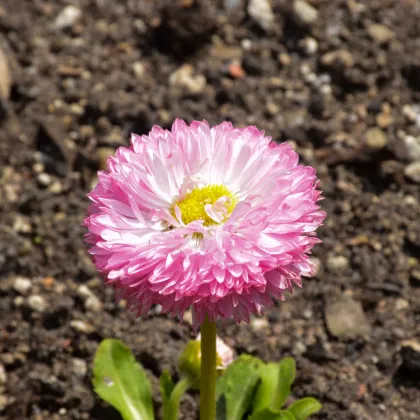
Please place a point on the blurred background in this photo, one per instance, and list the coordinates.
(339, 79)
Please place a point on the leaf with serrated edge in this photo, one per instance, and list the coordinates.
(305, 407)
(120, 381)
(269, 414)
(236, 388)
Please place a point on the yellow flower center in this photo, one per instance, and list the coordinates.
(192, 205)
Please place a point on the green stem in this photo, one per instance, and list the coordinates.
(208, 371)
(171, 411)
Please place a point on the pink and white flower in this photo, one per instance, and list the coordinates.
(217, 218)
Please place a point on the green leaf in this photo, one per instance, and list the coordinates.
(120, 380)
(265, 394)
(305, 407)
(166, 386)
(287, 375)
(236, 387)
(276, 382)
(269, 414)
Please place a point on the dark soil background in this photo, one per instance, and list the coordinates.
(339, 79)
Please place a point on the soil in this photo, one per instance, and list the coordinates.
(339, 79)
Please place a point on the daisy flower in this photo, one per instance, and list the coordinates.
(220, 219)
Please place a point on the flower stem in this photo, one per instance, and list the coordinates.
(171, 412)
(208, 371)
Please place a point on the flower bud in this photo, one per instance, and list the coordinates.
(189, 362)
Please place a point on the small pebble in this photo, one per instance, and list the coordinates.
(91, 301)
(411, 113)
(22, 224)
(84, 292)
(341, 57)
(318, 266)
(304, 12)
(22, 285)
(272, 108)
(81, 326)
(412, 148)
(259, 324)
(415, 278)
(5, 77)
(412, 172)
(380, 33)
(79, 367)
(185, 78)
(260, 11)
(3, 375)
(38, 167)
(246, 44)
(284, 59)
(93, 304)
(299, 348)
(44, 179)
(307, 314)
(401, 304)
(309, 46)
(410, 200)
(139, 69)
(157, 310)
(4, 402)
(67, 17)
(37, 303)
(236, 71)
(376, 138)
(56, 187)
(18, 301)
(337, 262)
(345, 318)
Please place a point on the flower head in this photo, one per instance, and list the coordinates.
(217, 218)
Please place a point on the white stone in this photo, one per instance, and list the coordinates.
(5, 76)
(184, 78)
(310, 46)
(412, 172)
(139, 69)
(91, 301)
(37, 303)
(305, 12)
(56, 187)
(84, 292)
(337, 262)
(260, 11)
(81, 326)
(401, 304)
(3, 376)
(93, 304)
(380, 33)
(412, 148)
(259, 324)
(79, 367)
(22, 285)
(44, 179)
(67, 17)
(376, 138)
